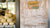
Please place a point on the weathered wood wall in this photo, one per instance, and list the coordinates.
(33, 18)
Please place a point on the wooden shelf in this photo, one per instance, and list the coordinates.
(2, 10)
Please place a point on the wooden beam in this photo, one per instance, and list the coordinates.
(17, 13)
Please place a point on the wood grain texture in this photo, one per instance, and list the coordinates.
(33, 16)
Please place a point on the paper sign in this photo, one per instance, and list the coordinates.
(33, 4)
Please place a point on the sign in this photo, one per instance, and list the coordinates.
(33, 4)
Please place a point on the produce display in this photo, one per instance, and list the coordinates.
(10, 17)
(7, 14)
(7, 19)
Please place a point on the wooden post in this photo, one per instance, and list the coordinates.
(7, 4)
(17, 13)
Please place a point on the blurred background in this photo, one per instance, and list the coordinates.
(48, 13)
